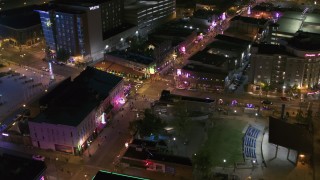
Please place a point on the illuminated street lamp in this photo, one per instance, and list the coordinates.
(283, 89)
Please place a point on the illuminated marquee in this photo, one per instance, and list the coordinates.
(94, 7)
(312, 55)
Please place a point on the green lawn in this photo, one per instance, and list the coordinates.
(225, 142)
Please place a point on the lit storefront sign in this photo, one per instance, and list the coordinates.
(94, 7)
(179, 72)
(312, 55)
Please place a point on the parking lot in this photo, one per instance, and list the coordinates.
(20, 86)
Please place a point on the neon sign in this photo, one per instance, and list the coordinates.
(94, 7)
(312, 55)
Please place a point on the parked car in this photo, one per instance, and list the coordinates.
(266, 102)
(61, 63)
(45, 69)
(38, 157)
(192, 89)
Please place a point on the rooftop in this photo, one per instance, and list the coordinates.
(73, 101)
(271, 49)
(209, 58)
(250, 20)
(292, 136)
(206, 14)
(84, 3)
(312, 18)
(292, 15)
(288, 25)
(233, 40)
(104, 175)
(14, 167)
(20, 18)
(228, 47)
(144, 155)
(305, 41)
(138, 58)
(179, 28)
(168, 97)
(120, 29)
(204, 69)
(140, 5)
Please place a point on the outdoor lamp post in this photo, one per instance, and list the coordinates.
(224, 163)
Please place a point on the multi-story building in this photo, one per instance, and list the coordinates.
(84, 29)
(20, 27)
(149, 14)
(297, 63)
(249, 28)
(77, 111)
(291, 22)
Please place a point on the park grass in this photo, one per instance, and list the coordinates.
(225, 142)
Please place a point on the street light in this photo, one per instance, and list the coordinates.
(224, 163)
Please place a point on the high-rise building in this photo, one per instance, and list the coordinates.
(80, 27)
(148, 14)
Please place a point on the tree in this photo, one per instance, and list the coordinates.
(202, 164)
(266, 87)
(150, 124)
(63, 55)
(181, 119)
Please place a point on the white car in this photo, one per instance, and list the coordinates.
(38, 157)
(45, 69)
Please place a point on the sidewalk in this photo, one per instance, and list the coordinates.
(25, 150)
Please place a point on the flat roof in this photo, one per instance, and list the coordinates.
(70, 104)
(119, 29)
(271, 49)
(204, 69)
(83, 3)
(168, 97)
(134, 57)
(227, 46)
(293, 136)
(312, 18)
(305, 41)
(111, 66)
(178, 28)
(140, 5)
(288, 25)
(292, 15)
(311, 28)
(14, 167)
(250, 20)
(20, 18)
(105, 175)
(234, 40)
(205, 14)
(144, 155)
(209, 58)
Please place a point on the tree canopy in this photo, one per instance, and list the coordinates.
(150, 124)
